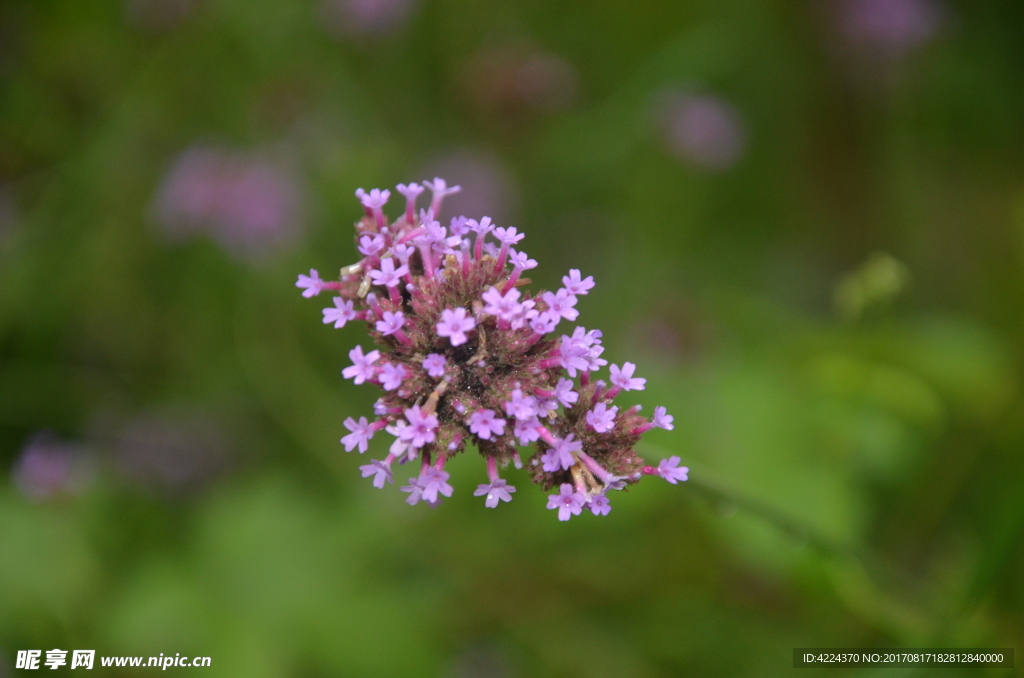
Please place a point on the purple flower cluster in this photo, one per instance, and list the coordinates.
(465, 356)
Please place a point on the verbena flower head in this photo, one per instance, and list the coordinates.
(466, 357)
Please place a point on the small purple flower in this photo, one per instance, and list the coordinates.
(414, 490)
(411, 192)
(601, 418)
(400, 447)
(403, 252)
(545, 322)
(508, 236)
(381, 472)
(568, 502)
(526, 313)
(544, 407)
(455, 324)
(562, 303)
(551, 462)
(593, 362)
(576, 286)
(380, 408)
(662, 419)
(375, 199)
(342, 312)
(599, 505)
(624, 378)
(505, 306)
(434, 481)
(362, 431)
(527, 431)
(440, 188)
(362, 366)
(433, 234)
(371, 244)
(497, 489)
(581, 351)
(435, 365)
(310, 284)
(668, 470)
(561, 456)
(521, 261)
(564, 392)
(421, 429)
(482, 227)
(391, 323)
(392, 375)
(388, 275)
(521, 407)
(458, 226)
(483, 423)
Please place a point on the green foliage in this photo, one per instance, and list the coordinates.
(851, 419)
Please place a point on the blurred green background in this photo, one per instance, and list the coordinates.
(806, 222)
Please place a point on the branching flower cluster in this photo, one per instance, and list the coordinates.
(466, 357)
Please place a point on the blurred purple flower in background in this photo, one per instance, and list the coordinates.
(703, 129)
(487, 186)
(173, 453)
(888, 28)
(49, 467)
(247, 203)
(350, 18)
(512, 83)
(158, 16)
